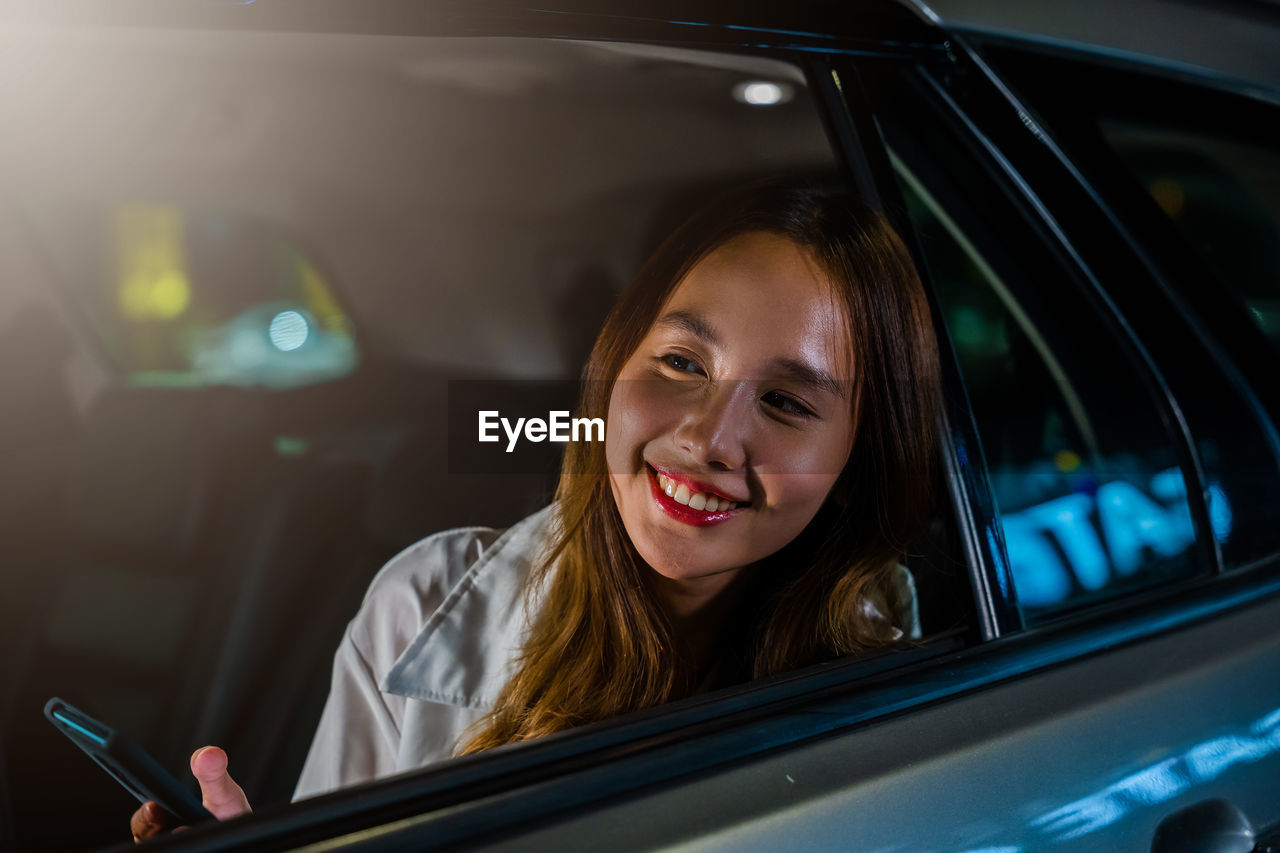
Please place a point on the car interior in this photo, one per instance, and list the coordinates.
(190, 516)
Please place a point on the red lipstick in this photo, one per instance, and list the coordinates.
(687, 514)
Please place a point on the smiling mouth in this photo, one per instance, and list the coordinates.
(701, 509)
(682, 494)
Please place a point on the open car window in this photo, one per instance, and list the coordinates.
(268, 258)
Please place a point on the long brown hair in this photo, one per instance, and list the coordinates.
(602, 644)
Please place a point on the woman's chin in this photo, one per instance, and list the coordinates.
(687, 565)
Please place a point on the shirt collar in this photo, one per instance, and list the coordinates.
(467, 649)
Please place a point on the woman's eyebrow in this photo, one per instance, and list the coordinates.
(691, 323)
(805, 374)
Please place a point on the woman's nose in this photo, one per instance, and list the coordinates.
(714, 431)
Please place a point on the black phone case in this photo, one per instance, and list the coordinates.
(128, 763)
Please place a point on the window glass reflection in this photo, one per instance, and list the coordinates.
(1222, 194)
(190, 298)
(1090, 496)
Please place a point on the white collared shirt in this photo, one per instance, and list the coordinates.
(432, 646)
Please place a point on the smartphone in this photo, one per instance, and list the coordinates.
(128, 763)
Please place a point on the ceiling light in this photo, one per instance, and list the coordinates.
(762, 93)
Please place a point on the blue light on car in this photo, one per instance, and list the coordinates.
(1131, 521)
(1067, 518)
(998, 557)
(1104, 536)
(1162, 781)
(1039, 574)
(1219, 513)
(1169, 485)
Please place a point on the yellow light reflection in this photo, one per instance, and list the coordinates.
(1066, 461)
(151, 270)
(318, 297)
(1169, 194)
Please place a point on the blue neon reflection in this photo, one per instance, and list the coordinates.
(997, 557)
(1219, 513)
(1162, 781)
(1104, 535)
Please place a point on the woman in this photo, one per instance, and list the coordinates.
(769, 385)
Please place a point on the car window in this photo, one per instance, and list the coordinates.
(1086, 477)
(223, 217)
(1223, 195)
(1189, 170)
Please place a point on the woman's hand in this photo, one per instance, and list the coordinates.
(221, 795)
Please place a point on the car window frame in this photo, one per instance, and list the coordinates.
(981, 536)
(1036, 172)
(1154, 241)
(1173, 264)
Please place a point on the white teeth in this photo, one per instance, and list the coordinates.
(694, 500)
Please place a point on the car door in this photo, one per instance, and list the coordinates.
(1090, 669)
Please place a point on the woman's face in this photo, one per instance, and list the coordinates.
(732, 420)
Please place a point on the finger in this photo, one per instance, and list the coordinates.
(147, 822)
(221, 795)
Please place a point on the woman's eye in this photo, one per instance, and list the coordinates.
(786, 404)
(681, 364)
